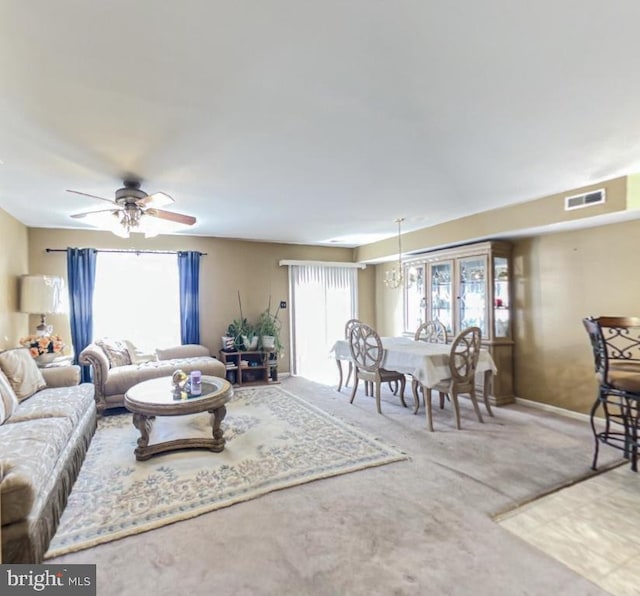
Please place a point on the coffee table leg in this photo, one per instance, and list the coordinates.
(217, 416)
(143, 424)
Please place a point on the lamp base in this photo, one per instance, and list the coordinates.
(44, 329)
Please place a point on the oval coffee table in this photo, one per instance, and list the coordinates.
(154, 397)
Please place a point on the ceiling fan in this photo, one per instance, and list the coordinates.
(133, 210)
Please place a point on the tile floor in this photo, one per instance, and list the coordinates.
(593, 527)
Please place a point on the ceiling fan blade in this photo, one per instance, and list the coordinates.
(157, 199)
(92, 213)
(171, 216)
(84, 194)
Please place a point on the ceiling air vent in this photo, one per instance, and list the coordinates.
(595, 197)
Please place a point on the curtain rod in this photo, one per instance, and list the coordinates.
(130, 251)
(285, 262)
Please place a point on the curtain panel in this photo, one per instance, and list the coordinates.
(189, 273)
(81, 276)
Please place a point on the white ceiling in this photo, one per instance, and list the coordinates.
(309, 121)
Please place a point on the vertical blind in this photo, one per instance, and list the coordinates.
(323, 298)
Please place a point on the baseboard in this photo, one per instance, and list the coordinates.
(555, 409)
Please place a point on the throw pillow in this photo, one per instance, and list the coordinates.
(138, 355)
(22, 371)
(8, 399)
(115, 350)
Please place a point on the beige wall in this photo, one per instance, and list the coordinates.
(230, 266)
(559, 279)
(14, 253)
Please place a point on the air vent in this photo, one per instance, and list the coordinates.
(596, 197)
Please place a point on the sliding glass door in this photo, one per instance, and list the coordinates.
(323, 298)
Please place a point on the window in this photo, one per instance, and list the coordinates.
(136, 297)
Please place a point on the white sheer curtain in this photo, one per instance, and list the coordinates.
(323, 298)
(136, 297)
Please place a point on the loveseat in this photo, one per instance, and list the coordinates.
(117, 366)
(44, 437)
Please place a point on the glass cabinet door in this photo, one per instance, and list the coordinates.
(440, 297)
(501, 293)
(472, 299)
(414, 298)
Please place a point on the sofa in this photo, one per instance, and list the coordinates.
(45, 432)
(117, 366)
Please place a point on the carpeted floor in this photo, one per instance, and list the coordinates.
(274, 440)
(419, 526)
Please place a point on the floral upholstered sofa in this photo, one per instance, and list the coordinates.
(47, 421)
(117, 366)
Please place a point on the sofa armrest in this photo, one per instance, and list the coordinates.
(185, 351)
(62, 376)
(94, 356)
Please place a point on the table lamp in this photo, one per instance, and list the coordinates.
(41, 295)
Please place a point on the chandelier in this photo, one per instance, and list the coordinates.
(393, 279)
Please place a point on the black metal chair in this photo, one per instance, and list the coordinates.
(615, 342)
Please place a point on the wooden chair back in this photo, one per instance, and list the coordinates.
(432, 332)
(463, 358)
(366, 347)
(347, 327)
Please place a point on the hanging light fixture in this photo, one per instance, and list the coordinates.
(394, 278)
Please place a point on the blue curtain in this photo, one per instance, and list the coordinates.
(81, 275)
(189, 274)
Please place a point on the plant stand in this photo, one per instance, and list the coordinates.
(250, 367)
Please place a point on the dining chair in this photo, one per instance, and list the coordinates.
(430, 332)
(463, 360)
(347, 331)
(615, 343)
(367, 354)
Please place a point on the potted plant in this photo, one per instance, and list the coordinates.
(249, 337)
(241, 335)
(268, 328)
(239, 329)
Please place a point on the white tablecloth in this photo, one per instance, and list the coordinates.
(426, 362)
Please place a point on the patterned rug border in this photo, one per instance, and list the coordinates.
(390, 454)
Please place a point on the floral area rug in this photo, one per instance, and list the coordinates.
(274, 440)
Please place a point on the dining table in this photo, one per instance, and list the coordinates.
(426, 362)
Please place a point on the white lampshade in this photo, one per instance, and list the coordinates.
(41, 294)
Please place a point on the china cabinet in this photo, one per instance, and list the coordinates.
(462, 287)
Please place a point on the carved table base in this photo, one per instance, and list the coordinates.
(145, 451)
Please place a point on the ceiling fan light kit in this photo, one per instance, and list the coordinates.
(135, 211)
